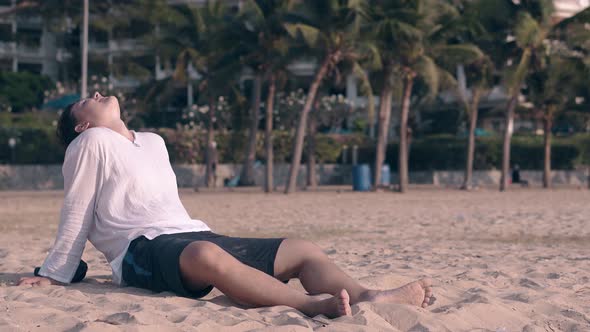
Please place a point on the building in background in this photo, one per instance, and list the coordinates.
(28, 44)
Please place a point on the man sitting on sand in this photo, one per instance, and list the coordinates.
(121, 194)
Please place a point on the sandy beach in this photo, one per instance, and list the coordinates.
(514, 261)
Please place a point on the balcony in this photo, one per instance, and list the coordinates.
(125, 82)
(117, 46)
(30, 51)
(7, 48)
(302, 67)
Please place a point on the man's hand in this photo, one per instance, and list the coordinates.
(37, 281)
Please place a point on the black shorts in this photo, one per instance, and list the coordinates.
(155, 264)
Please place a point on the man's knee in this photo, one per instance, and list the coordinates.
(293, 255)
(307, 249)
(203, 256)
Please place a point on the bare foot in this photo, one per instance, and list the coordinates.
(417, 293)
(335, 306)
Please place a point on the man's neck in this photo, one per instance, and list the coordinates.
(120, 127)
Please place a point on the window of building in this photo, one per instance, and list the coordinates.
(29, 37)
(5, 64)
(6, 32)
(34, 68)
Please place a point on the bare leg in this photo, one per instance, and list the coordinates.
(204, 263)
(318, 274)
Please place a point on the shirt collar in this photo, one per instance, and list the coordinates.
(136, 140)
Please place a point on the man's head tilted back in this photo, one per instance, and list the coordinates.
(86, 113)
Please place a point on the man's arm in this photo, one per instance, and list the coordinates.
(82, 171)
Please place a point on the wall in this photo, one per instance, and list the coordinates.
(49, 177)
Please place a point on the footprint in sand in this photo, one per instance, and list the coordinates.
(120, 318)
(519, 297)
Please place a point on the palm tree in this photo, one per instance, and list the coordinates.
(330, 30)
(558, 71)
(22, 5)
(312, 183)
(383, 28)
(533, 25)
(420, 31)
(551, 85)
(478, 75)
(265, 48)
(196, 36)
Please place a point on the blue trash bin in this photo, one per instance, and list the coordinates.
(385, 175)
(361, 177)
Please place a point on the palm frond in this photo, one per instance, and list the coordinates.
(455, 54)
(429, 72)
(581, 17)
(366, 89)
(516, 78)
(527, 30)
(309, 33)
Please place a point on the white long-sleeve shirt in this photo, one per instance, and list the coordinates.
(115, 190)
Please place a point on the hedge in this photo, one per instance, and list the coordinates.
(40, 146)
(449, 153)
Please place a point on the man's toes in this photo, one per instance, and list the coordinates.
(344, 295)
(346, 310)
(426, 283)
(344, 303)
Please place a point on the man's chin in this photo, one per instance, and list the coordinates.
(112, 102)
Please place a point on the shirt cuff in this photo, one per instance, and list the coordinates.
(53, 276)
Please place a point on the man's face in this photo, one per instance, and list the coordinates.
(97, 111)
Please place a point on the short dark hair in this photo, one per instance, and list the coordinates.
(65, 131)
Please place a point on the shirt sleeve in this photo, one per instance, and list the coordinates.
(82, 179)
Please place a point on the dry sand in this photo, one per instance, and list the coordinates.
(515, 261)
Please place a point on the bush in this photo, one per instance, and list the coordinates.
(446, 152)
(23, 90)
(441, 152)
(34, 146)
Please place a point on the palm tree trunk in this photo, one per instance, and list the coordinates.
(506, 147)
(268, 183)
(312, 182)
(514, 92)
(403, 132)
(18, 6)
(300, 132)
(473, 113)
(547, 163)
(247, 176)
(383, 127)
(209, 173)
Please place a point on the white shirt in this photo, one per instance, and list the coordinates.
(115, 190)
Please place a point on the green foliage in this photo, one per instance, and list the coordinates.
(445, 152)
(440, 152)
(23, 90)
(41, 120)
(33, 146)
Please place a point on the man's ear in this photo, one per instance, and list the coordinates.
(81, 127)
